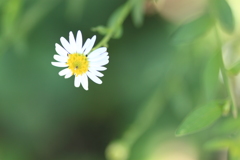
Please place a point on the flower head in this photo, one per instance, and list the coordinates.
(80, 60)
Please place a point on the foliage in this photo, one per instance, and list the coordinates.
(168, 88)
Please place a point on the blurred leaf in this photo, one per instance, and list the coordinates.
(117, 150)
(11, 11)
(115, 16)
(12, 150)
(104, 31)
(234, 153)
(226, 108)
(138, 13)
(118, 33)
(217, 144)
(211, 76)
(200, 119)
(35, 14)
(232, 145)
(228, 126)
(119, 15)
(2, 2)
(114, 28)
(224, 14)
(189, 32)
(101, 30)
(235, 69)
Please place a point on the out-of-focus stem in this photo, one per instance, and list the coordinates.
(225, 76)
(126, 10)
(120, 149)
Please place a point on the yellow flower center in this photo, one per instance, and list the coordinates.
(78, 63)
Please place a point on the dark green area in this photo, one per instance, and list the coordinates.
(151, 84)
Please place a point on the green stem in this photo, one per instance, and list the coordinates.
(144, 120)
(225, 76)
(124, 13)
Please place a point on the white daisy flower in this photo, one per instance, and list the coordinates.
(80, 60)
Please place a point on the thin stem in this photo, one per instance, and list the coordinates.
(126, 9)
(225, 76)
(144, 120)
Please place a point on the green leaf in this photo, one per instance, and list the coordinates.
(101, 30)
(115, 16)
(235, 69)
(218, 144)
(118, 32)
(223, 13)
(231, 144)
(33, 15)
(234, 153)
(115, 21)
(189, 32)
(228, 126)
(137, 13)
(211, 76)
(104, 31)
(200, 119)
(226, 108)
(2, 2)
(10, 14)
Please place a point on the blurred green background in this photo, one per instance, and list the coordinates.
(149, 87)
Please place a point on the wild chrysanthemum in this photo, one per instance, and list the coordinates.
(80, 60)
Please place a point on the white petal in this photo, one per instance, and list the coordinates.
(84, 81)
(60, 50)
(90, 46)
(103, 62)
(97, 52)
(60, 58)
(66, 45)
(99, 58)
(94, 78)
(86, 44)
(59, 64)
(64, 72)
(99, 63)
(77, 81)
(79, 41)
(68, 75)
(96, 73)
(103, 59)
(72, 42)
(98, 68)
